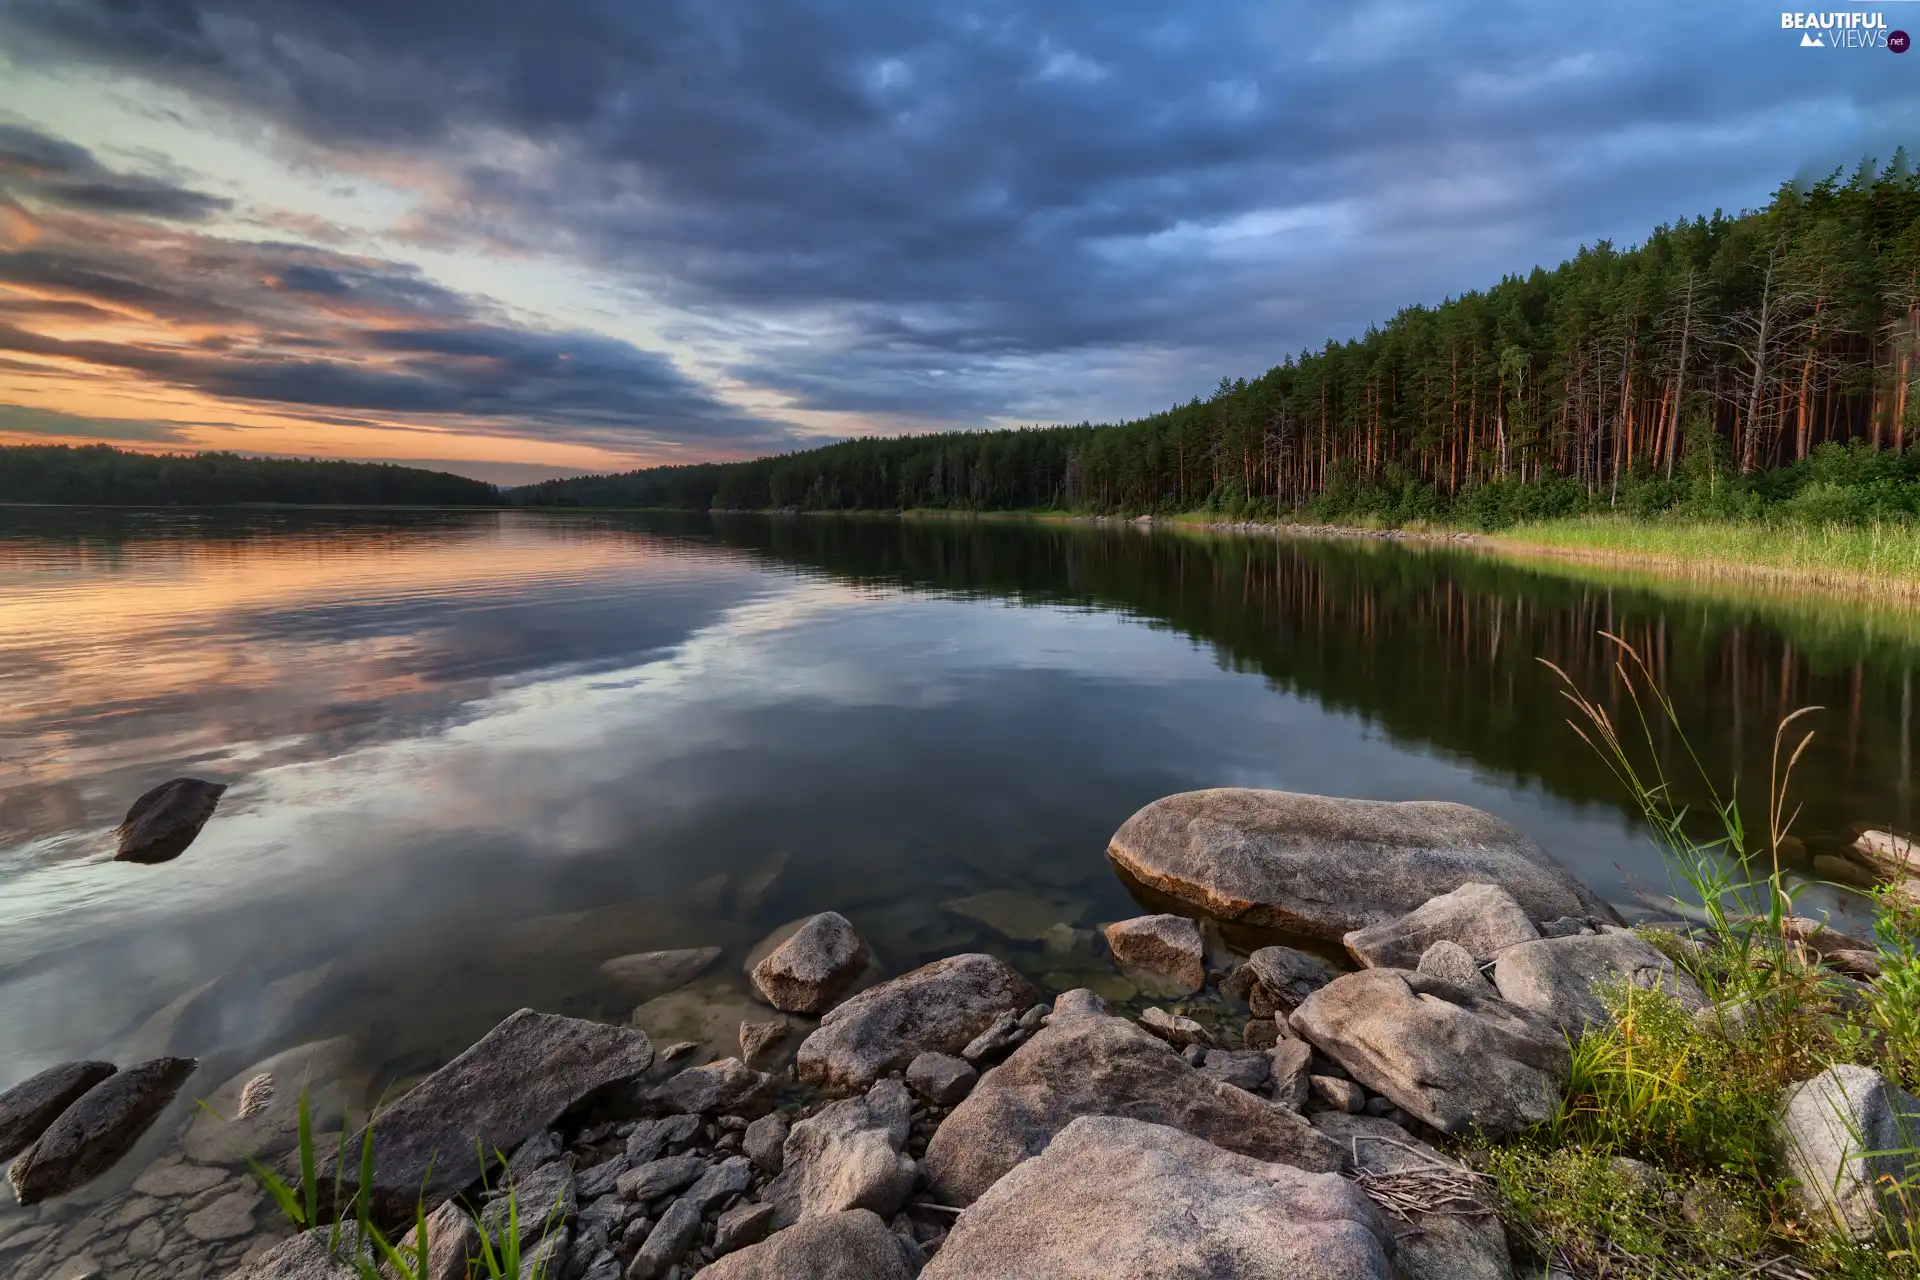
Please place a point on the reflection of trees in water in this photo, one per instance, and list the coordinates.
(1436, 647)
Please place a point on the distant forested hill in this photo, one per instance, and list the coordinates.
(98, 474)
(1719, 350)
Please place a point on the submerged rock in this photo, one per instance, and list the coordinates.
(97, 1129)
(648, 974)
(1170, 947)
(1454, 1059)
(1023, 917)
(513, 1083)
(1096, 1065)
(221, 1134)
(855, 1245)
(36, 1102)
(1564, 978)
(1848, 1135)
(164, 821)
(937, 1008)
(1119, 1197)
(814, 966)
(1325, 867)
(1482, 918)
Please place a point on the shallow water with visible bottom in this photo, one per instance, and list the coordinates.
(474, 755)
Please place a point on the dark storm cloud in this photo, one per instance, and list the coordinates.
(56, 172)
(306, 329)
(993, 192)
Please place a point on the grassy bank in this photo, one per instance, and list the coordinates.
(1881, 557)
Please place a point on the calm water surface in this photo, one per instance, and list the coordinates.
(443, 731)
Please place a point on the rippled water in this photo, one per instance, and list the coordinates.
(442, 728)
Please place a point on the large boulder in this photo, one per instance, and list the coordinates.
(1457, 1241)
(1324, 867)
(1483, 918)
(97, 1128)
(1848, 1135)
(1168, 947)
(36, 1102)
(1103, 1066)
(1565, 978)
(846, 1156)
(855, 1245)
(1453, 1058)
(1112, 1196)
(937, 1008)
(814, 966)
(510, 1085)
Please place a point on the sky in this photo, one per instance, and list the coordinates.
(516, 240)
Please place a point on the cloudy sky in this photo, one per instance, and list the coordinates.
(515, 239)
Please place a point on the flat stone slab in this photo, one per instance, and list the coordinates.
(1324, 867)
(1103, 1066)
(1112, 1197)
(510, 1085)
(647, 974)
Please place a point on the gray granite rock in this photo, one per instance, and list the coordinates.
(661, 1177)
(731, 1177)
(651, 1139)
(1118, 1197)
(937, 1008)
(1102, 1066)
(846, 1156)
(323, 1253)
(1077, 1003)
(1845, 1134)
(1247, 1069)
(1466, 1242)
(941, 1078)
(744, 1224)
(814, 967)
(728, 1085)
(855, 1245)
(1483, 918)
(541, 1201)
(1176, 1029)
(97, 1128)
(1277, 979)
(1290, 1069)
(1324, 867)
(1167, 946)
(670, 1238)
(764, 1142)
(36, 1102)
(516, 1081)
(1335, 1094)
(1451, 1058)
(1565, 978)
(1451, 962)
(452, 1238)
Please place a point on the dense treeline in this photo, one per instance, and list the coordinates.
(1677, 372)
(99, 474)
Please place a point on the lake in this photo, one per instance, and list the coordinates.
(474, 755)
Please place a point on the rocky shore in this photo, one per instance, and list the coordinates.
(1280, 1111)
